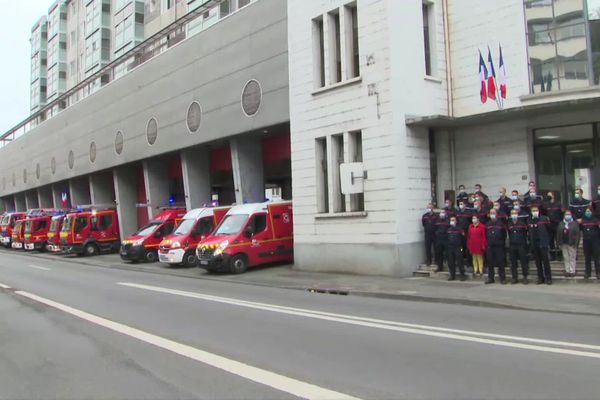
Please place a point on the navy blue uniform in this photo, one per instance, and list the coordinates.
(455, 236)
(540, 241)
(463, 197)
(517, 239)
(506, 204)
(596, 207)
(590, 230)
(441, 242)
(534, 201)
(578, 207)
(554, 212)
(428, 221)
(496, 237)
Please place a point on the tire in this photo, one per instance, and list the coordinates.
(189, 260)
(90, 249)
(238, 264)
(151, 256)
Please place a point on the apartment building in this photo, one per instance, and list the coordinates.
(39, 63)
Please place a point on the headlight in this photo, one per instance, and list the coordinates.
(221, 248)
(138, 242)
(175, 245)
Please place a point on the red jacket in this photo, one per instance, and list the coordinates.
(477, 239)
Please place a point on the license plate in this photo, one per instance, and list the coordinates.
(203, 262)
(123, 253)
(163, 258)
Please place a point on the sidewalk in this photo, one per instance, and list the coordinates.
(580, 298)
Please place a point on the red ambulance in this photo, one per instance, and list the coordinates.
(143, 245)
(90, 232)
(7, 223)
(180, 246)
(249, 235)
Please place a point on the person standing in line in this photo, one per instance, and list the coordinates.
(530, 186)
(554, 212)
(496, 240)
(502, 216)
(454, 250)
(462, 196)
(517, 232)
(538, 233)
(450, 209)
(428, 221)
(567, 238)
(505, 202)
(441, 240)
(534, 199)
(590, 228)
(480, 210)
(463, 217)
(596, 203)
(477, 243)
(485, 200)
(578, 205)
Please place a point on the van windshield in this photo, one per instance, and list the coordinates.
(232, 225)
(67, 224)
(53, 225)
(4, 220)
(148, 229)
(185, 227)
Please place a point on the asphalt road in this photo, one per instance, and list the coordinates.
(79, 331)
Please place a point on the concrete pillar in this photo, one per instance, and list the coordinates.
(80, 191)
(9, 203)
(3, 205)
(20, 204)
(156, 179)
(102, 188)
(125, 183)
(45, 199)
(195, 166)
(31, 200)
(248, 171)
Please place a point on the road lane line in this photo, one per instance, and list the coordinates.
(3, 286)
(456, 334)
(280, 382)
(38, 267)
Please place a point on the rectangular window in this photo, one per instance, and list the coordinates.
(355, 152)
(337, 158)
(352, 52)
(318, 53)
(322, 175)
(335, 47)
(427, 36)
(243, 3)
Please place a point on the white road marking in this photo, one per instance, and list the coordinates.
(280, 382)
(3, 286)
(38, 267)
(425, 330)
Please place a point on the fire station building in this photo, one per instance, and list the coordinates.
(361, 111)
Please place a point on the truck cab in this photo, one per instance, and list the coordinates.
(90, 232)
(16, 237)
(180, 246)
(53, 241)
(249, 235)
(37, 226)
(143, 245)
(7, 223)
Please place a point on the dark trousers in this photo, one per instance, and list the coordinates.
(468, 258)
(495, 260)
(518, 253)
(591, 251)
(441, 250)
(455, 259)
(542, 263)
(554, 250)
(429, 245)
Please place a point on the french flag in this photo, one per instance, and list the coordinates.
(64, 199)
(502, 76)
(483, 77)
(492, 77)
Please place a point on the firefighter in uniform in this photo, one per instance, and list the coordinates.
(463, 220)
(517, 233)
(450, 209)
(578, 205)
(441, 240)
(590, 230)
(534, 200)
(505, 202)
(428, 221)
(538, 237)
(454, 250)
(554, 212)
(496, 240)
(596, 204)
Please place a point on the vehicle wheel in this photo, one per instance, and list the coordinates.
(90, 249)
(239, 264)
(151, 256)
(189, 259)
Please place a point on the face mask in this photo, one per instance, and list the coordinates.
(577, 196)
(429, 210)
(535, 214)
(475, 221)
(532, 192)
(514, 217)
(501, 194)
(493, 217)
(513, 197)
(452, 223)
(442, 215)
(598, 192)
(447, 204)
(462, 206)
(516, 207)
(588, 214)
(478, 189)
(568, 218)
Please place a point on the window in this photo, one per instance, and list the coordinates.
(352, 53)
(355, 154)
(337, 158)
(105, 221)
(243, 3)
(428, 37)
(258, 224)
(167, 228)
(80, 224)
(318, 53)
(204, 227)
(322, 175)
(335, 46)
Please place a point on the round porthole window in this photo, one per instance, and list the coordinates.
(152, 131)
(251, 97)
(24, 175)
(71, 159)
(53, 165)
(119, 142)
(38, 171)
(194, 117)
(3, 183)
(14, 180)
(93, 152)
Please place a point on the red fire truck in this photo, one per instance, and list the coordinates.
(143, 245)
(54, 234)
(37, 226)
(180, 246)
(249, 235)
(16, 237)
(90, 231)
(7, 223)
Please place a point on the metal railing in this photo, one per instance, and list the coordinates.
(148, 49)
